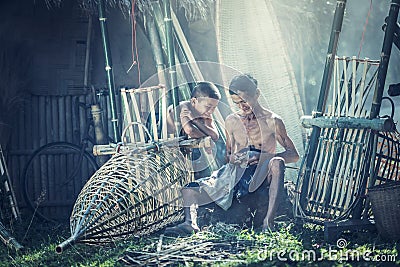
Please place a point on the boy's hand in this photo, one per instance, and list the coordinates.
(206, 116)
(185, 112)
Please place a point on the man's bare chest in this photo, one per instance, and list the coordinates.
(256, 132)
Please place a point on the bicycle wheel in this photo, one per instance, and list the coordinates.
(53, 177)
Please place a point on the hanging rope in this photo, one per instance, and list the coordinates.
(134, 50)
(365, 28)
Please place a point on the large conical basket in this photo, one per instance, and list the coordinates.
(133, 194)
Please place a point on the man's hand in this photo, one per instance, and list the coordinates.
(239, 158)
(245, 158)
(253, 160)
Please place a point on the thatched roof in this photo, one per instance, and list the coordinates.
(194, 9)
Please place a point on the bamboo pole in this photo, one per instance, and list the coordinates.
(378, 124)
(385, 56)
(137, 113)
(127, 112)
(361, 91)
(152, 114)
(87, 52)
(335, 86)
(339, 90)
(8, 239)
(171, 61)
(378, 93)
(346, 87)
(332, 48)
(109, 70)
(155, 43)
(164, 113)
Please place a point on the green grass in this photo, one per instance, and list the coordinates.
(217, 245)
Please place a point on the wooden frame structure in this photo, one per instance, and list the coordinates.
(350, 148)
(144, 107)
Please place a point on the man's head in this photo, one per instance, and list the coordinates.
(244, 92)
(205, 98)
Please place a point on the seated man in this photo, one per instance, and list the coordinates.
(251, 138)
(195, 117)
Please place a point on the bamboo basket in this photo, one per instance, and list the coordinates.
(132, 194)
(385, 202)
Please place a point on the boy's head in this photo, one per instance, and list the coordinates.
(205, 98)
(206, 89)
(244, 92)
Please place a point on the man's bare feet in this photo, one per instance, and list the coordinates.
(268, 226)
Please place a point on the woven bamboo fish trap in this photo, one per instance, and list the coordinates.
(333, 186)
(135, 193)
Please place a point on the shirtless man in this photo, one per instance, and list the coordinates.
(252, 134)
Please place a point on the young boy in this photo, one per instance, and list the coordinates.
(196, 121)
(196, 114)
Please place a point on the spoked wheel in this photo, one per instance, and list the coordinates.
(53, 178)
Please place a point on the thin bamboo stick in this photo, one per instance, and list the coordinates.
(346, 88)
(338, 89)
(127, 112)
(164, 113)
(152, 106)
(353, 89)
(136, 112)
(335, 84)
(362, 89)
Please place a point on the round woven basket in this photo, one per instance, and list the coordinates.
(385, 202)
